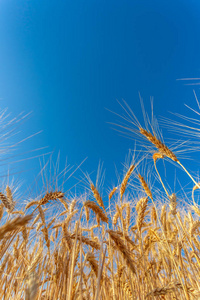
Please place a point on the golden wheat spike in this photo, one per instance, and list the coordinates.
(115, 218)
(9, 205)
(9, 194)
(97, 210)
(64, 203)
(145, 186)
(93, 262)
(42, 216)
(122, 248)
(72, 205)
(160, 291)
(112, 192)
(163, 149)
(141, 208)
(90, 242)
(173, 204)
(32, 286)
(31, 204)
(97, 196)
(125, 181)
(14, 224)
(153, 215)
(51, 196)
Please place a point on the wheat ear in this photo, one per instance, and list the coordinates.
(97, 196)
(97, 210)
(163, 149)
(112, 192)
(122, 248)
(8, 204)
(145, 187)
(14, 225)
(125, 181)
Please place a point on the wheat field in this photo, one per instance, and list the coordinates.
(128, 243)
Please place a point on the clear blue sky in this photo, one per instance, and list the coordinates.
(66, 61)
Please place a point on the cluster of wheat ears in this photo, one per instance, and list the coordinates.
(133, 248)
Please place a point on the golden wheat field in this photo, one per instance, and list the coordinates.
(126, 244)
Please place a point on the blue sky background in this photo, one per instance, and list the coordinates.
(67, 61)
